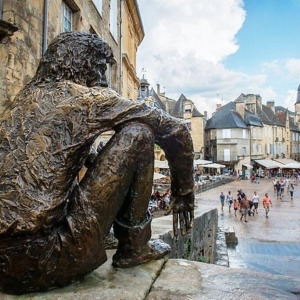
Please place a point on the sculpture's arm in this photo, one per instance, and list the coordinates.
(108, 110)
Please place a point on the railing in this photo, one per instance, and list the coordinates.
(201, 185)
(204, 185)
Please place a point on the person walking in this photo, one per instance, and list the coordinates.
(229, 200)
(244, 206)
(292, 188)
(222, 200)
(282, 186)
(255, 200)
(266, 204)
(278, 189)
(257, 177)
(235, 206)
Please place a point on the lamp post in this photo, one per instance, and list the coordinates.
(250, 145)
(274, 140)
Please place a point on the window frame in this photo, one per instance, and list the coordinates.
(113, 19)
(66, 7)
(99, 6)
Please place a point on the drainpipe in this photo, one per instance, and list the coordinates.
(45, 27)
(1, 8)
(121, 54)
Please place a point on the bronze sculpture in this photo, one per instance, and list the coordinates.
(51, 226)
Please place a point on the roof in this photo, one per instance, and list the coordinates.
(298, 95)
(252, 119)
(226, 117)
(178, 109)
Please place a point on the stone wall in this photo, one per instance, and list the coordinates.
(200, 245)
(21, 52)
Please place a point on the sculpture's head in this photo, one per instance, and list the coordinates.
(77, 56)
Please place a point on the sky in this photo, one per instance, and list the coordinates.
(211, 51)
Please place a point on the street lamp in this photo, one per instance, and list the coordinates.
(274, 141)
(250, 144)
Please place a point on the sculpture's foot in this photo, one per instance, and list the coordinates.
(155, 249)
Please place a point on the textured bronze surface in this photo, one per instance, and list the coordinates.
(51, 226)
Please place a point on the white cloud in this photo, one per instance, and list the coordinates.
(290, 99)
(185, 44)
(293, 67)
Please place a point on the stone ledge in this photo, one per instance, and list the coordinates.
(105, 283)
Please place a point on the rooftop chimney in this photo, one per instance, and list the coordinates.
(158, 89)
(271, 104)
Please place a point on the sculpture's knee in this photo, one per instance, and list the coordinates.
(137, 133)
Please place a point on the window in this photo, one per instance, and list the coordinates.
(226, 133)
(66, 18)
(226, 154)
(98, 4)
(259, 149)
(114, 18)
(244, 134)
(259, 133)
(189, 125)
(244, 151)
(188, 108)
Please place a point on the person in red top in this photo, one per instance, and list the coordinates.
(235, 206)
(266, 204)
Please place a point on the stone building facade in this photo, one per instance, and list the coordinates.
(132, 34)
(245, 131)
(183, 109)
(27, 27)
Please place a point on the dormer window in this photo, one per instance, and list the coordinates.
(188, 108)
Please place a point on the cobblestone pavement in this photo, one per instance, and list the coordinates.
(266, 245)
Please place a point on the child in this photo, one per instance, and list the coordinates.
(229, 200)
(222, 200)
(235, 206)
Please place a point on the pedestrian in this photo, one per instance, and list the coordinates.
(250, 212)
(257, 177)
(255, 200)
(278, 189)
(275, 185)
(222, 200)
(229, 200)
(282, 186)
(240, 195)
(244, 206)
(288, 184)
(266, 204)
(292, 188)
(235, 206)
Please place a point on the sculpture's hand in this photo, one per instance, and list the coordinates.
(183, 209)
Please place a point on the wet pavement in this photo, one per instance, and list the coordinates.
(268, 245)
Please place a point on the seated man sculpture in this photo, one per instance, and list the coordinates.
(52, 227)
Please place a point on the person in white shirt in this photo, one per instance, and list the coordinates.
(255, 200)
(229, 200)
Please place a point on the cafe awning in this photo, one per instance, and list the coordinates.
(248, 166)
(158, 176)
(285, 161)
(201, 162)
(269, 163)
(214, 166)
(162, 164)
(292, 165)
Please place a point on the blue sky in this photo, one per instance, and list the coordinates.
(213, 50)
